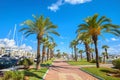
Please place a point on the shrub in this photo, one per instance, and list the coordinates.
(116, 63)
(12, 75)
(93, 61)
(26, 62)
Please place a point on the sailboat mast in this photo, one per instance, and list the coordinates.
(14, 32)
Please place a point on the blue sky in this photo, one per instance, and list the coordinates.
(66, 14)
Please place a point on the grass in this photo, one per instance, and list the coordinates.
(80, 62)
(102, 72)
(38, 74)
(47, 63)
(35, 74)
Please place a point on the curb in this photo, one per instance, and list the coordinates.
(46, 72)
(92, 74)
(45, 75)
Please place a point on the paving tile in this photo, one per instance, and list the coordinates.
(60, 70)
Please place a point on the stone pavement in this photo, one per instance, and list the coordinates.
(60, 70)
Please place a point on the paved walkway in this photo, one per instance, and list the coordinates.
(60, 70)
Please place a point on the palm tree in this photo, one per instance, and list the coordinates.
(52, 46)
(94, 26)
(106, 47)
(91, 51)
(48, 49)
(44, 41)
(58, 53)
(81, 52)
(104, 55)
(74, 44)
(86, 40)
(41, 27)
(65, 54)
(71, 46)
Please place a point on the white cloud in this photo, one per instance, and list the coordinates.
(12, 44)
(114, 39)
(7, 43)
(27, 48)
(76, 1)
(112, 51)
(55, 6)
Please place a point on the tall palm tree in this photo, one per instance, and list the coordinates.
(91, 51)
(41, 27)
(44, 41)
(52, 46)
(58, 53)
(81, 52)
(106, 47)
(94, 26)
(104, 55)
(74, 45)
(71, 46)
(82, 37)
(65, 54)
(48, 49)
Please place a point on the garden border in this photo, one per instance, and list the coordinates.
(43, 78)
(98, 77)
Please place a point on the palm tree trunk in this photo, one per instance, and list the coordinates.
(43, 53)
(96, 50)
(92, 55)
(47, 54)
(104, 59)
(106, 54)
(50, 54)
(87, 52)
(38, 54)
(81, 56)
(75, 53)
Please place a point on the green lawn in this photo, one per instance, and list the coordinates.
(80, 62)
(101, 72)
(35, 74)
(47, 63)
(38, 74)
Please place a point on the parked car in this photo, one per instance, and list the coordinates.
(14, 62)
(4, 63)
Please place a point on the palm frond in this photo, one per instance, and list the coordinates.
(54, 32)
(51, 26)
(94, 18)
(28, 34)
(24, 28)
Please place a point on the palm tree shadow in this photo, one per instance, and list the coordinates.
(32, 74)
(65, 67)
(108, 71)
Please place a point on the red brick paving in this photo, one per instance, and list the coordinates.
(60, 70)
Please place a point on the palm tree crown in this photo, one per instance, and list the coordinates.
(94, 26)
(41, 27)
